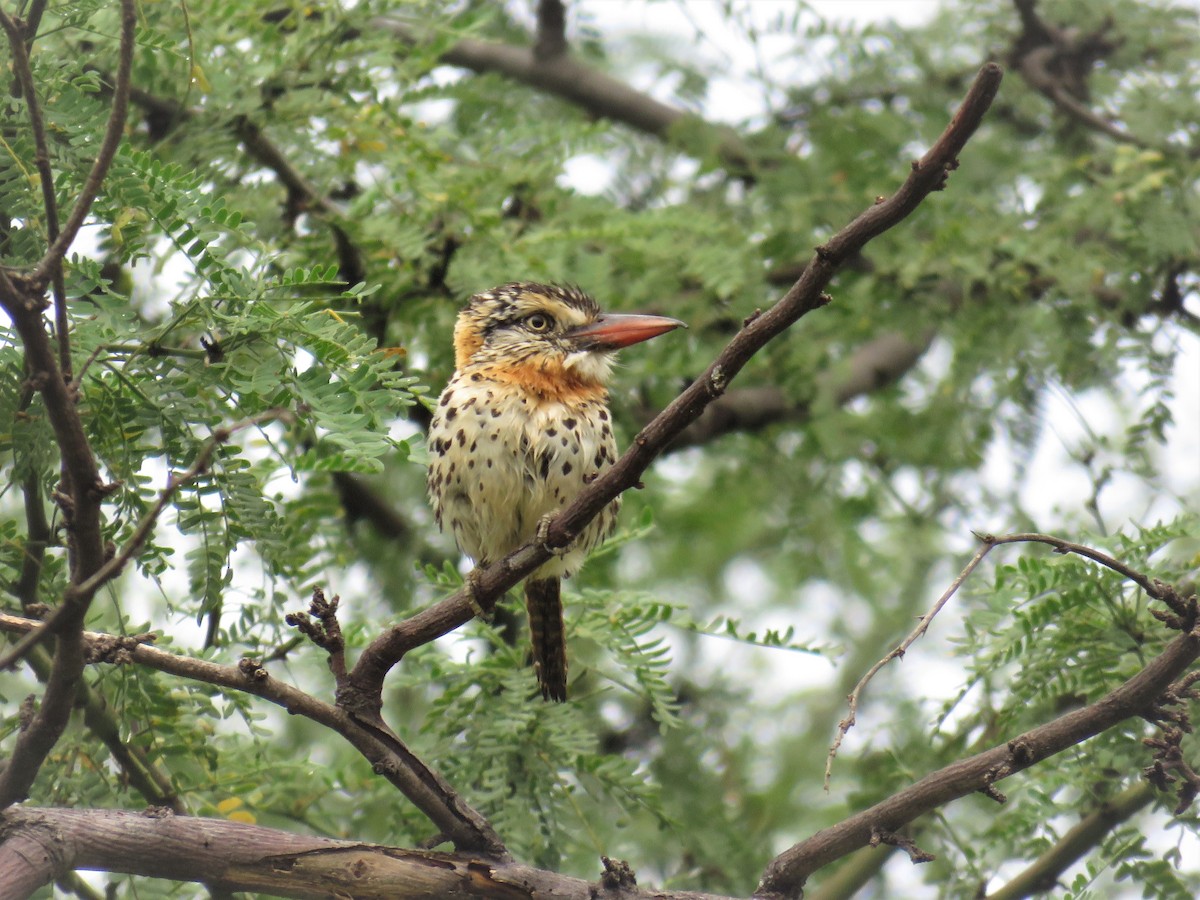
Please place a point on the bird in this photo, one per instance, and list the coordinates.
(522, 427)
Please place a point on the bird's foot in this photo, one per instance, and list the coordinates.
(471, 584)
(543, 536)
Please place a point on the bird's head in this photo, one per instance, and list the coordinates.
(546, 337)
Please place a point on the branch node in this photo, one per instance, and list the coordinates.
(618, 875)
(325, 631)
(892, 839)
(717, 382)
(252, 669)
(994, 793)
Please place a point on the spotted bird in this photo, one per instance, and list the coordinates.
(521, 428)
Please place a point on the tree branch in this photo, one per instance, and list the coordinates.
(786, 874)
(879, 362)
(41, 844)
(116, 563)
(564, 76)
(487, 583)
(390, 757)
(1043, 874)
(19, 41)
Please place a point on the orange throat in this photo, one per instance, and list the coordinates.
(546, 381)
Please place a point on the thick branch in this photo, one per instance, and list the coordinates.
(42, 844)
(489, 582)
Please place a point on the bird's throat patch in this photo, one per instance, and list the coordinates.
(548, 381)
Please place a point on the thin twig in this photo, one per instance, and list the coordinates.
(897, 652)
(990, 542)
(113, 133)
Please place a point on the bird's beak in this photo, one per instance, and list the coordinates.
(611, 331)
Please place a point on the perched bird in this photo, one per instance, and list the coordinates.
(521, 428)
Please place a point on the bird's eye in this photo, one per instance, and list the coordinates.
(538, 322)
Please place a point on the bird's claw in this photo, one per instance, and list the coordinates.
(471, 584)
(543, 536)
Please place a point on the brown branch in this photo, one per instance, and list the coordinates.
(879, 362)
(113, 133)
(42, 844)
(486, 584)
(1042, 875)
(601, 95)
(1056, 62)
(786, 874)
(387, 753)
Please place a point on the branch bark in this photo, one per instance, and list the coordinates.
(566, 77)
(39, 845)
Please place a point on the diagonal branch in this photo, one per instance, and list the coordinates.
(488, 583)
(786, 874)
(1042, 875)
(115, 564)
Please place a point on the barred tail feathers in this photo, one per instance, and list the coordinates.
(543, 602)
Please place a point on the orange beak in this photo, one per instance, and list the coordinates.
(611, 331)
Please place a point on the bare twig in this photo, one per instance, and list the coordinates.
(113, 133)
(897, 652)
(989, 541)
(489, 582)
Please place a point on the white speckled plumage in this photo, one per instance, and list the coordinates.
(521, 428)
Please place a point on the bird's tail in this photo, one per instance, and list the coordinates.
(544, 605)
